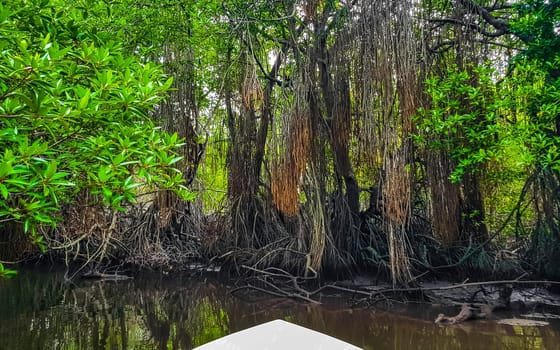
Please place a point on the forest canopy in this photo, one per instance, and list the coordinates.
(321, 137)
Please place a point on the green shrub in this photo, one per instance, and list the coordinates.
(76, 114)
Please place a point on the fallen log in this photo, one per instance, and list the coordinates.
(105, 276)
(466, 313)
(463, 315)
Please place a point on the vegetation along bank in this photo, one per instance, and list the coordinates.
(309, 138)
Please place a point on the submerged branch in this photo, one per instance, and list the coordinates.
(280, 283)
(105, 276)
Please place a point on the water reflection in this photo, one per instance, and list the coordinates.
(38, 311)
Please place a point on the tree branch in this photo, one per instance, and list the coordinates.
(471, 26)
(501, 26)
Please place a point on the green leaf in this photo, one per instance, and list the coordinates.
(5, 169)
(174, 160)
(4, 191)
(6, 273)
(51, 169)
(107, 193)
(168, 83)
(84, 100)
(103, 173)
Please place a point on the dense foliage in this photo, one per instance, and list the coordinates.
(74, 116)
(462, 118)
(322, 136)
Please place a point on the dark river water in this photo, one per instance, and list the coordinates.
(40, 311)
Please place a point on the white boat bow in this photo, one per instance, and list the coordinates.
(277, 335)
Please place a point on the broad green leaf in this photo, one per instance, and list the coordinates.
(51, 169)
(84, 100)
(4, 191)
(5, 169)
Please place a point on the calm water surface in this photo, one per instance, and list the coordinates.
(40, 311)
